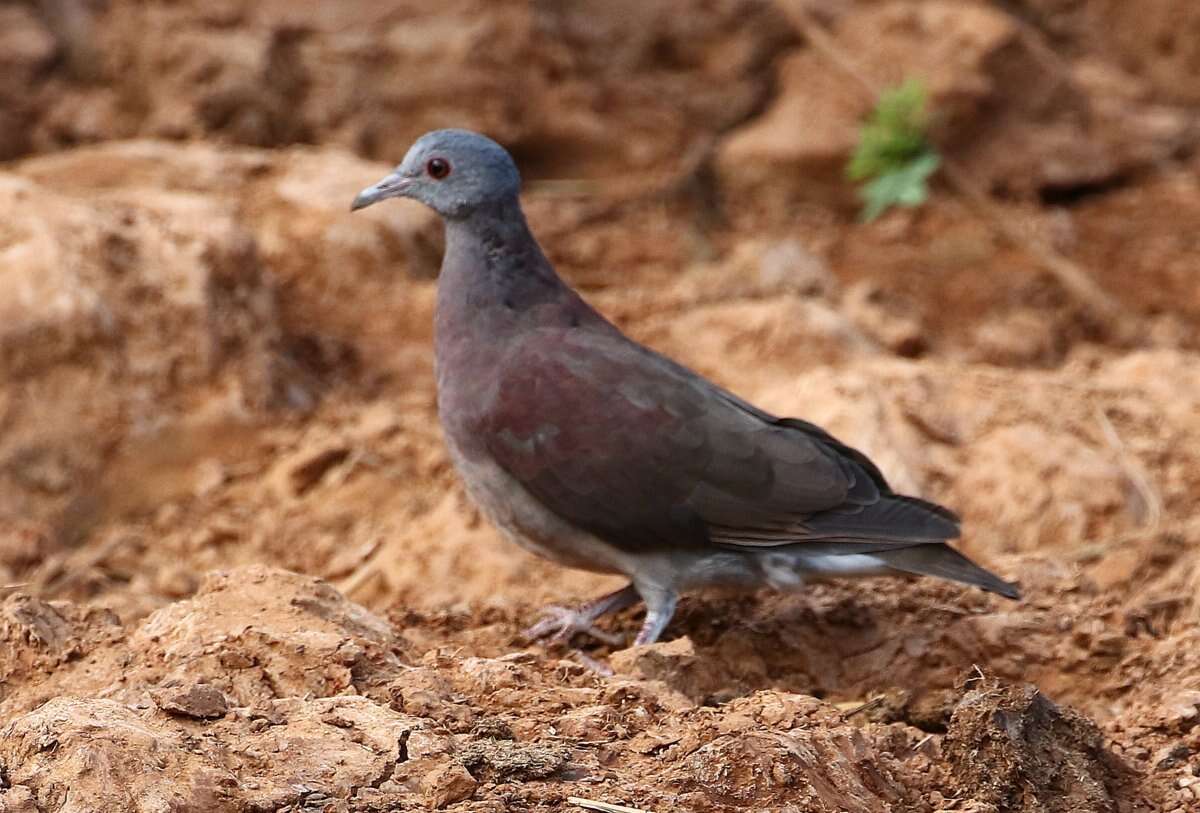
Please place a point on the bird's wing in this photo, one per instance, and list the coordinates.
(642, 452)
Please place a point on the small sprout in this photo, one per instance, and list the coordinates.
(894, 154)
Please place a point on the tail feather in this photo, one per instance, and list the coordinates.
(945, 562)
(892, 519)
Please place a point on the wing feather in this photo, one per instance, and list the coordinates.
(644, 453)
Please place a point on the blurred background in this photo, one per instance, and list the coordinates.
(207, 361)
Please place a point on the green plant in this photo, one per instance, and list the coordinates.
(894, 155)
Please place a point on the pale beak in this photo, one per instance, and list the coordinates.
(394, 185)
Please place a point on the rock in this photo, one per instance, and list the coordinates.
(17, 800)
(422, 692)
(1006, 104)
(1182, 711)
(199, 700)
(144, 271)
(187, 264)
(447, 784)
(253, 634)
(39, 623)
(24, 544)
(294, 206)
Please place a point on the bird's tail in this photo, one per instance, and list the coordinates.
(945, 562)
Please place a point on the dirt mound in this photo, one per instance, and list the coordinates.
(269, 689)
(1011, 747)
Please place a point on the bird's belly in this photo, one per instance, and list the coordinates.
(788, 569)
(528, 523)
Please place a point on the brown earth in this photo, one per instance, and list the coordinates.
(217, 379)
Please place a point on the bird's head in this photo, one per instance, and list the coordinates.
(454, 172)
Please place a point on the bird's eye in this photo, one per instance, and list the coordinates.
(438, 168)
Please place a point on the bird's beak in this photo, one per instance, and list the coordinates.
(394, 185)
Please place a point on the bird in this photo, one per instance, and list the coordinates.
(599, 453)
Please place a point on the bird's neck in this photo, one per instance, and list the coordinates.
(493, 267)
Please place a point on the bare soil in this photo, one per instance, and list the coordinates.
(237, 571)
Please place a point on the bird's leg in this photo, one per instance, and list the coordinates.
(660, 606)
(560, 623)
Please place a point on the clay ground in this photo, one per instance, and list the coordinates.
(237, 571)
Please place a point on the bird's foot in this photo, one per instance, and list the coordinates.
(559, 624)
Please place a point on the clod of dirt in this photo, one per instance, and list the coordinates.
(1011, 746)
(199, 700)
(507, 758)
(668, 661)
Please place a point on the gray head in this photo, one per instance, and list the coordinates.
(453, 172)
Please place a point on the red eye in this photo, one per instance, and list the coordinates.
(438, 168)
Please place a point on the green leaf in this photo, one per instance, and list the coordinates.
(893, 153)
(907, 186)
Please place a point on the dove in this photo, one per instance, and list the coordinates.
(594, 451)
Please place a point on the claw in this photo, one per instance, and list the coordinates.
(559, 624)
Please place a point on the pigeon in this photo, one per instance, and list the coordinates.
(596, 452)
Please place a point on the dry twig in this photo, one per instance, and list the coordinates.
(603, 807)
(1136, 474)
(859, 708)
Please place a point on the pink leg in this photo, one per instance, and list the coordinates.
(558, 624)
(660, 607)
